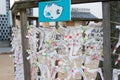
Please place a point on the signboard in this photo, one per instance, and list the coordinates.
(3, 7)
(52, 11)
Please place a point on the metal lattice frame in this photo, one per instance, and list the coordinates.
(21, 7)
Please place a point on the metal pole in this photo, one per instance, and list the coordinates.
(14, 20)
(107, 70)
(25, 44)
(56, 63)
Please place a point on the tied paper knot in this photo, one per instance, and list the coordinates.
(70, 37)
(69, 42)
(117, 60)
(54, 44)
(115, 48)
(77, 34)
(91, 47)
(72, 71)
(95, 57)
(58, 60)
(116, 73)
(74, 44)
(65, 36)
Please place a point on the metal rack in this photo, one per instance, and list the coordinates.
(21, 7)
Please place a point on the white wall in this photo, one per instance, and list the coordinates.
(35, 12)
(95, 8)
(12, 2)
(2, 6)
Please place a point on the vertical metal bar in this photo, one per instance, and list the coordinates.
(25, 44)
(107, 70)
(37, 23)
(13, 20)
(56, 25)
(83, 49)
(14, 25)
(56, 63)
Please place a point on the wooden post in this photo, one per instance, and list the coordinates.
(107, 70)
(25, 44)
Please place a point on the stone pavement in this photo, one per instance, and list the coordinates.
(5, 50)
(5, 47)
(6, 67)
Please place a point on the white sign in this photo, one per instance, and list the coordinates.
(2, 6)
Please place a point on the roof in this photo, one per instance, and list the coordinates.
(83, 16)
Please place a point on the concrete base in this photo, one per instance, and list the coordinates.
(4, 44)
(5, 50)
(5, 47)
